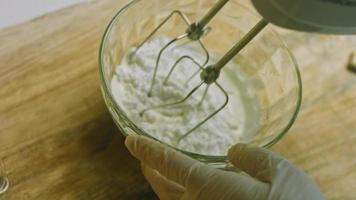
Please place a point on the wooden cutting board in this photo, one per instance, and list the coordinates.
(58, 141)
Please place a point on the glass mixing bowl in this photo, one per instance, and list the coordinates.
(271, 71)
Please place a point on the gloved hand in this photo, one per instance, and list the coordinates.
(264, 175)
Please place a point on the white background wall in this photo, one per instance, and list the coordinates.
(13, 12)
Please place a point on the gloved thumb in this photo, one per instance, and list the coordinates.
(257, 162)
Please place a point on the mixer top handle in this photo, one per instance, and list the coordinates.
(323, 16)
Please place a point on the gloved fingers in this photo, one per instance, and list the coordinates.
(257, 162)
(164, 188)
(226, 185)
(169, 163)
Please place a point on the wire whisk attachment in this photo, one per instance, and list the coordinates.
(208, 74)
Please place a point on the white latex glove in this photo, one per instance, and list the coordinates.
(173, 175)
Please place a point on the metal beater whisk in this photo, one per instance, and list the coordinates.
(194, 32)
(209, 74)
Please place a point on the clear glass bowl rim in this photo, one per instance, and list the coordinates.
(105, 85)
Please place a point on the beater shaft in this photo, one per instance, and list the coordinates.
(241, 44)
(212, 12)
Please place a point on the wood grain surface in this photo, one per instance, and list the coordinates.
(58, 141)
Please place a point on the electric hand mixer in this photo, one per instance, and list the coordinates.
(298, 15)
